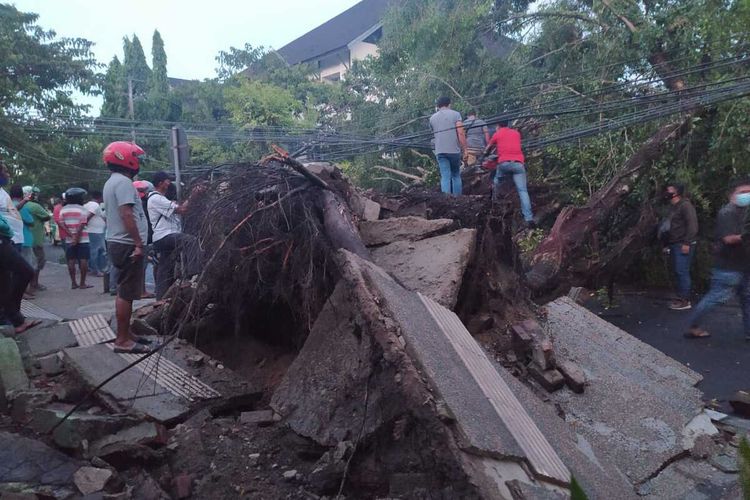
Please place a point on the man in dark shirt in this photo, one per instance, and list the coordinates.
(729, 275)
(680, 229)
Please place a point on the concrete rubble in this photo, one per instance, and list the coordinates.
(385, 394)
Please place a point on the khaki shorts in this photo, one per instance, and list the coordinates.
(131, 271)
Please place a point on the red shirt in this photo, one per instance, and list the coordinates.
(508, 142)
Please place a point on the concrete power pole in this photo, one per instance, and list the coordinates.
(131, 109)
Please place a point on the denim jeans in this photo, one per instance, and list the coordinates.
(681, 264)
(98, 246)
(724, 284)
(518, 172)
(450, 172)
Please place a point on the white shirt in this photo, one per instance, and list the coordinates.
(161, 213)
(96, 223)
(10, 212)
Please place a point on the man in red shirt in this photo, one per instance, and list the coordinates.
(510, 162)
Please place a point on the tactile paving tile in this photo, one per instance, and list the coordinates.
(31, 310)
(92, 330)
(539, 452)
(95, 330)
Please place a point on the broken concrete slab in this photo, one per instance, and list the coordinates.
(79, 426)
(12, 373)
(144, 433)
(638, 401)
(25, 403)
(91, 479)
(48, 340)
(433, 266)
(691, 479)
(371, 210)
(382, 232)
(51, 365)
(131, 389)
(431, 358)
(258, 417)
(32, 466)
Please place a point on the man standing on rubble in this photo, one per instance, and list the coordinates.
(477, 137)
(450, 140)
(511, 163)
(171, 244)
(731, 271)
(679, 230)
(126, 236)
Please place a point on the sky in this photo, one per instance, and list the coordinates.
(193, 31)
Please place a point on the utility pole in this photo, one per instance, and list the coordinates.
(178, 158)
(131, 109)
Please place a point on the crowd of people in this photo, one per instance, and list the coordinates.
(112, 233)
(467, 143)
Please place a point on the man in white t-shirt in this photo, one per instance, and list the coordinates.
(170, 242)
(96, 228)
(12, 215)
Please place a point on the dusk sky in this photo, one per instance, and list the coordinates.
(193, 31)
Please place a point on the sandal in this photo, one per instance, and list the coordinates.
(26, 326)
(83, 287)
(697, 333)
(136, 349)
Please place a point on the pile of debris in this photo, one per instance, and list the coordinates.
(362, 346)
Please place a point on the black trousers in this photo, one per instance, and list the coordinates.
(15, 276)
(178, 255)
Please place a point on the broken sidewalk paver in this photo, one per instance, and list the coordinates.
(31, 462)
(409, 228)
(91, 479)
(96, 363)
(434, 266)
(638, 400)
(31, 310)
(12, 373)
(95, 330)
(47, 340)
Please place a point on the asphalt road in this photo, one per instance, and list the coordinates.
(723, 359)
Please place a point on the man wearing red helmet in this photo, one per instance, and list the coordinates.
(127, 231)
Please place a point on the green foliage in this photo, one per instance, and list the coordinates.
(253, 103)
(158, 85)
(115, 90)
(576, 492)
(744, 463)
(40, 72)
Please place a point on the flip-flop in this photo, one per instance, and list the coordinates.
(83, 287)
(136, 349)
(691, 335)
(28, 326)
(74, 287)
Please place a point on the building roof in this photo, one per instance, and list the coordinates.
(336, 32)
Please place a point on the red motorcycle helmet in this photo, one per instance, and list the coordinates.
(124, 154)
(489, 162)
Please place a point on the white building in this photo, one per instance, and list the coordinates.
(332, 47)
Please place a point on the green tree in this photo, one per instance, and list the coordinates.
(253, 103)
(38, 74)
(115, 103)
(158, 88)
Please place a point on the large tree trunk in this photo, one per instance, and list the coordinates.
(565, 243)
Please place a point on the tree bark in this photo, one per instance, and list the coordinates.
(339, 227)
(573, 226)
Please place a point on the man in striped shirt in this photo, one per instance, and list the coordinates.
(73, 219)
